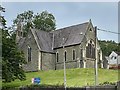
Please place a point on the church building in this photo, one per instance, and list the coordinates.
(77, 45)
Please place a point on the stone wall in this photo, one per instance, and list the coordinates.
(90, 63)
(33, 64)
(70, 63)
(48, 61)
(90, 35)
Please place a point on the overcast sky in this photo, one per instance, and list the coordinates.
(104, 15)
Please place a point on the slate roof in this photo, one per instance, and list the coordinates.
(72, 35)
(54, 39)
(44, 40)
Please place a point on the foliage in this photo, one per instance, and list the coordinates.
(25, 19)
(107, 83)
(3, 21)
(75, 77)
(43, 21)
(43, 86)
(109, 46)
(12, 58)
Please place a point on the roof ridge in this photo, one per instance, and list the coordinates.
(117, 52)
(72, 26)
(35, 38)
(39, 30)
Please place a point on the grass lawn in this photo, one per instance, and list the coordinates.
(75, 77)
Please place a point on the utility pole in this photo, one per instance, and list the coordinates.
(96, 64)
(64, 68)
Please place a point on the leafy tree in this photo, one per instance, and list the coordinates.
(2, 20)
(109, 46)
(12, 58)
(43, 21)
(25, 19)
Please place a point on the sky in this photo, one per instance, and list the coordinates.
(104, 15)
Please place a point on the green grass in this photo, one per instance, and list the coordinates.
(75, 77)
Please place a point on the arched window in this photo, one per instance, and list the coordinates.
(73, 54)
(57, 57)
(81, 55)
(65, 55)
(29, 53)
(90, 50)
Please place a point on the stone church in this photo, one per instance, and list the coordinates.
(76, 45)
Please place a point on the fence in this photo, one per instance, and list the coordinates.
(83, 88)
(105, 87)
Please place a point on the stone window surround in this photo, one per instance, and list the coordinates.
(73, 56)
(65, 55)
(91, 41)
(29, 54)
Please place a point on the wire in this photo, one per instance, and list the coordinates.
(108, 31)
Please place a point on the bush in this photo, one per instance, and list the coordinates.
(9, 88)
(108, 83)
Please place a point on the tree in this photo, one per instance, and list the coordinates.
(25, 19)
(2, 20)
(109, 46)
(12, 58)
(43, 21)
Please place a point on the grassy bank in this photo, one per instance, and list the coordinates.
(75, 77)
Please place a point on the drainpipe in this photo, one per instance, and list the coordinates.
(41, 60)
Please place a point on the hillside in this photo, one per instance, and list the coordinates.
(109, 46)
(75, 77)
